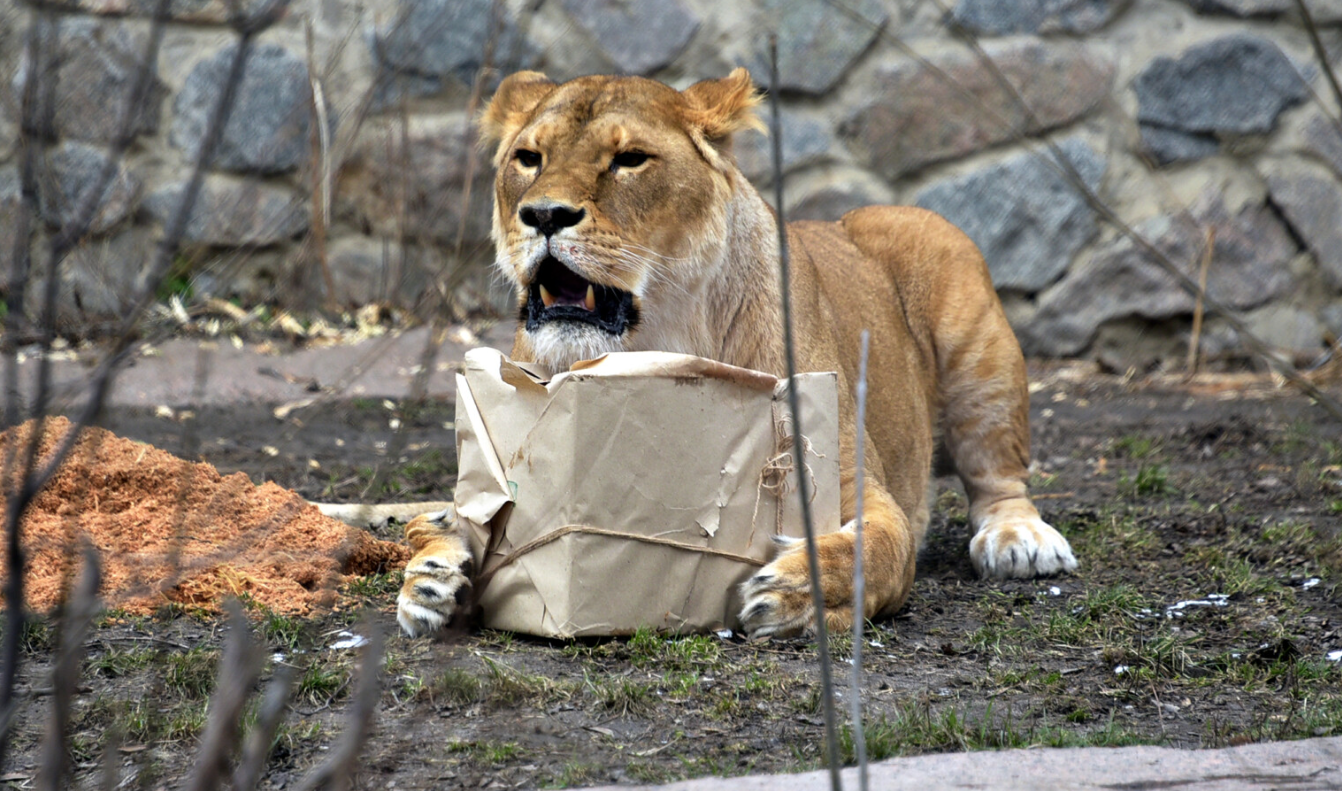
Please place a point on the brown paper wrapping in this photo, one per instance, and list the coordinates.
(638, 489)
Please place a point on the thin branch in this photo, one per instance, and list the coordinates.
(859, 576)
(54, 763)
(248, 772)
(803, 483)
(336, 773)
(238, 671)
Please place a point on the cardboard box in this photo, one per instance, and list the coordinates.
(638, 489)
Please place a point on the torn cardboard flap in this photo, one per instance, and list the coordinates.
(638, 489)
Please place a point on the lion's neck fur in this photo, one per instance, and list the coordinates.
(734, 299)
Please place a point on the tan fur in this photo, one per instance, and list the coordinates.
(697, 247)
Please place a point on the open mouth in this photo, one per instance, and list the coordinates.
(559, 294)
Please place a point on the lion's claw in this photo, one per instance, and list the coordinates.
(437, 578)
(777, 600)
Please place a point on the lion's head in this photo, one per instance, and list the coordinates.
(612, 201)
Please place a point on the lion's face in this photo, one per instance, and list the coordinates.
(610, 201)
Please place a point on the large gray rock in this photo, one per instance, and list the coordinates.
(387, 185)
(269, 125)
(66, 178)
(817, 42)
(1287, 328)
(448, 38)
(1249, 268)
(1321, 138)
(201, 11)
(996, 17)
(1028, 219)
(830, 203)
(1323, 11)
(100, 280)
(1311, 200)
(1235, 84)
(1332, 319)
(10, 198)
(915, 117)
(638, 36)
(367, 270)
(1166, 146)
(232, 212)
(806, 141)
(99, 65)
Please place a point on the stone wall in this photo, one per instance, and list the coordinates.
(1183, 115)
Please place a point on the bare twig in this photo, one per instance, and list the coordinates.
(859, 576)
(109, 772)
(55, 760)
(1196, 335)
(803, 483)
(321, 169)
(337, 771)
(238, 671)
(253, 762)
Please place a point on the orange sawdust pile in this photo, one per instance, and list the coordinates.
(169, 530)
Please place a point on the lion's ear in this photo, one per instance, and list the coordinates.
(516, 97)
(718, 108)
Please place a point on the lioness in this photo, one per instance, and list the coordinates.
(623, 223)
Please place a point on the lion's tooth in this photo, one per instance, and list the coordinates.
(591, 298)
(546, 297)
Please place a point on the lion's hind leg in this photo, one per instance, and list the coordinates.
(438, 576)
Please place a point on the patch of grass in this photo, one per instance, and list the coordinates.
(38, 636)
(115, 662)
(322, 682)
(1151, 480)
(574, 773)
(647, 647)
(454, 686)
(509, 685)
(191, 674)
(148, 722)
(486, 752)
(374, 586)
(915, 729)
(621, 695)
(646, 773)
(281, 630)
(1135, 446)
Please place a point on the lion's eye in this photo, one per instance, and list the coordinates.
(628, 159)
(527, 158)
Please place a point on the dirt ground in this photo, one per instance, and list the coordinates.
(1206, 520)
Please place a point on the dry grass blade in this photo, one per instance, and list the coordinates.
(253, 762)
(1196, 335)
(55, 760)
(337, 771)
(803, 484)
(238, 671)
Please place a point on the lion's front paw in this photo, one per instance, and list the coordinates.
(778, 598)
(438, 576)
(1020, 547)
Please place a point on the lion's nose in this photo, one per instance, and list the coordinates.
(549, 217)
